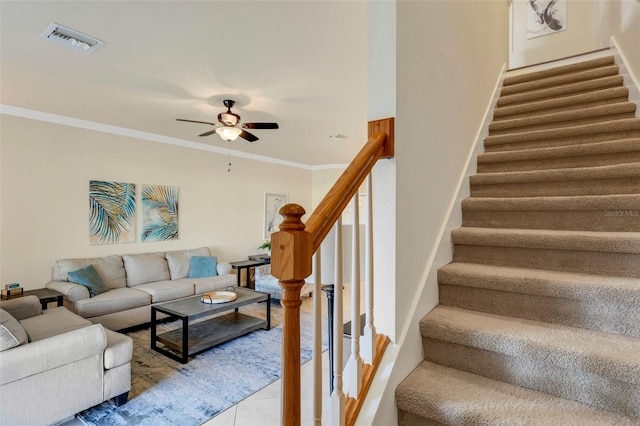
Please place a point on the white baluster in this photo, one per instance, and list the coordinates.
(353, 370)
(338, 398)
(369, 332)
(317, 340)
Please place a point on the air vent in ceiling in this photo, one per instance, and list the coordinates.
(71, 38)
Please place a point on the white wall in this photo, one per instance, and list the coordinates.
(382, 104)
(584, 32)
(624, 22)
(448, 56)
(45, 173)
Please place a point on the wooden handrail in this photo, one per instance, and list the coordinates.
(379, 145)
(293, 246)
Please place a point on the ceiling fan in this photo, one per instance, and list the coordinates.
(229, 130)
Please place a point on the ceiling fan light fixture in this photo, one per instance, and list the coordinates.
(229, 118)
(228, 133)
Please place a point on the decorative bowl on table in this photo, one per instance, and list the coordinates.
(218, 297)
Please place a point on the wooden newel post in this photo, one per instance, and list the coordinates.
(291, 252)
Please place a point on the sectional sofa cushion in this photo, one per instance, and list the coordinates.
(116, 300)
(89, 278)
(203, 285)
(110, 269)
(162, 291)
(145, 268)
(12, 333)
(179, 261)
(53, 322)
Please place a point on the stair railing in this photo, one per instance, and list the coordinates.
(292, 253)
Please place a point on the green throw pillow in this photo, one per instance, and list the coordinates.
(203, 266)
(89, 278)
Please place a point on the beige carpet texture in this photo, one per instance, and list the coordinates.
(539, 314)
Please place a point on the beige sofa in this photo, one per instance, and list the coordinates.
(134, 282)
(54, 363)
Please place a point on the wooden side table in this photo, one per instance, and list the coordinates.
(45, 295)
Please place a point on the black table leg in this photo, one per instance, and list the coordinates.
(185, 340)
(268, 312)
(153, 328)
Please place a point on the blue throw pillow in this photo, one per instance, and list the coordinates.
(89, 278)
(203, 266)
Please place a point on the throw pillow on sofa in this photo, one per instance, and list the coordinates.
(89, 278)
(12, 333)
(203, 266)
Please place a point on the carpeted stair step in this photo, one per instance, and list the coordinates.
(586, 366)
(556, 120)
(614, 213)
(601, 180)
(604, 253)
(573, 135)
(557, 297)
(586, 155)
(607, 96)
(555, 71)
(560, 80)
(436, 395)
(561, 91)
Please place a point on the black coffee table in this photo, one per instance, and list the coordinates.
(191, 338)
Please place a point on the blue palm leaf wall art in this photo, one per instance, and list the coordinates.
(159, 213)
(112, 208)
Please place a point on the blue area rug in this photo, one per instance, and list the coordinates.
(166, 392)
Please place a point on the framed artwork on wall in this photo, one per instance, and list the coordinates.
(546, 17)
(112, 212)
(272, 218)
(159, 213)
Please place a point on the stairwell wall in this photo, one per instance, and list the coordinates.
(624, 23)
(448, 57)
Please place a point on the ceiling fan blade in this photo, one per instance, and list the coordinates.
(248, 136)
(194, 121)
(210, 132)
(260, 126)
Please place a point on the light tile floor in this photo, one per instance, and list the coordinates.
(263, 407)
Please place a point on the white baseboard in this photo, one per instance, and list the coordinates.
(631, 81)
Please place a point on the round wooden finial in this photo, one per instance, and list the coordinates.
(292, 214)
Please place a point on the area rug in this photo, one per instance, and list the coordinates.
(166, 392)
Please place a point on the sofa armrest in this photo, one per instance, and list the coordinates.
(47, 354)
(70, 291)
(22, 307)
(223, 268)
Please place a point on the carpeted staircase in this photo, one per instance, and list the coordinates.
(539, 314)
